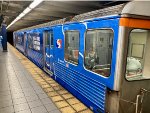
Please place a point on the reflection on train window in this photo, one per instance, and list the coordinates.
(36, 41)
(98, 51)
(30, 41)
(72, 46)
(138, 61)
(20, 41)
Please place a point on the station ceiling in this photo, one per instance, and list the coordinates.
(47, 11)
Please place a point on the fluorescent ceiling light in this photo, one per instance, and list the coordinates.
(21, 15)
(27, 10)
(17, 18)
(35, 3)
(15, 21)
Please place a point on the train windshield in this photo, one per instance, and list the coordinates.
(138, 57)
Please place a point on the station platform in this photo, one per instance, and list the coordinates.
(25, 88)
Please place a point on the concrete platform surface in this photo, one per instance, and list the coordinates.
(25, 88)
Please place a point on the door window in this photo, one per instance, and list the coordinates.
(49, 38)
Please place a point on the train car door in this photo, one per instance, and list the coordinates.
(48, 51)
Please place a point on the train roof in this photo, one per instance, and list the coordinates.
(134, 9)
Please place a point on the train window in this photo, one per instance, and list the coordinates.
(36, 41)
(98, 51)
(30, 39)
(72, 46)
(20, 41)
(138, 62)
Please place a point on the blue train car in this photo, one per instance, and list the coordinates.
(101, 57)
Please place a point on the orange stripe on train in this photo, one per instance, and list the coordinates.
(136, 23)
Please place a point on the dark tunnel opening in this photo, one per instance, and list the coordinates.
(10, 37)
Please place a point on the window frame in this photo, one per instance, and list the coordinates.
(125, 58)
(73, 63)
(93, 29)
(132, 50)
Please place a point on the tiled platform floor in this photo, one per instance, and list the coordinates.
(28, 88)
(19, 92)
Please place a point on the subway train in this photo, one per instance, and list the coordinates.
(102, 57)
